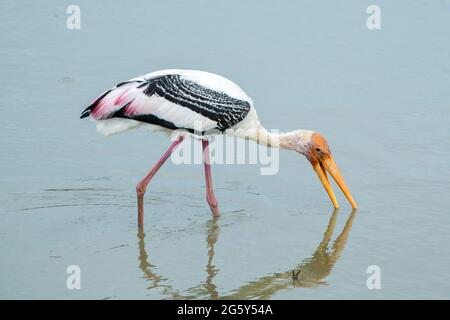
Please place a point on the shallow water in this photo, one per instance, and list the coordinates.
(381, 97)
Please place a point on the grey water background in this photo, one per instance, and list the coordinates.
(381, 98)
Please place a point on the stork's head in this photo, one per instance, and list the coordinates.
(316, 149)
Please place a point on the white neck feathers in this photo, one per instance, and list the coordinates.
(297, 140)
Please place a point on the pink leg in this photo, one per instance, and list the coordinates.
(142, 185)
(210, 197)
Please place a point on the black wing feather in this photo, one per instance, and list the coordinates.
(215, 105)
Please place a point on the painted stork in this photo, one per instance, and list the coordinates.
(170, 100)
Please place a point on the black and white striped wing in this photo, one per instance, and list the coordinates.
(170, 101)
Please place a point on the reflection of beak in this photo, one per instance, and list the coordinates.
(328, 165)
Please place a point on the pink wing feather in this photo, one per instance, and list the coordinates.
(115, 99)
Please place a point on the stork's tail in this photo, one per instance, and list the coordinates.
(87, 112)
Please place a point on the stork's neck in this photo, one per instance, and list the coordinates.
(297, 140)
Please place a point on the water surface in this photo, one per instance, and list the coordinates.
(381, 98)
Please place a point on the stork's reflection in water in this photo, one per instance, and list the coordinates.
(310, 272)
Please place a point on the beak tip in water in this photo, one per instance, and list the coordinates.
(328, 165)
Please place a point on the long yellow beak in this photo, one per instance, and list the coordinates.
(321, 167)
